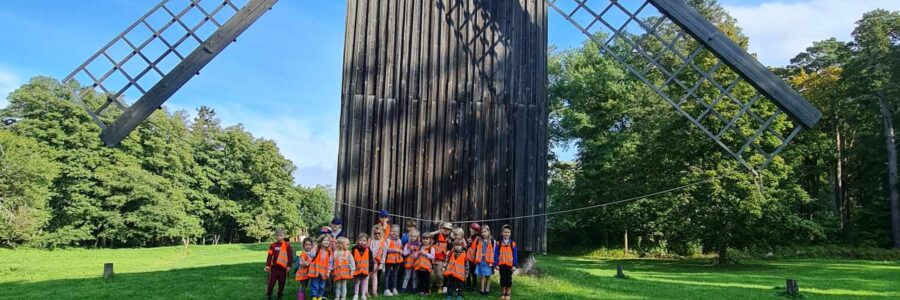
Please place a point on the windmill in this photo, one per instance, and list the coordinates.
(443, 110)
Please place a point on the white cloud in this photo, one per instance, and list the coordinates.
(779, 30)
(312, 147)
(8, 83)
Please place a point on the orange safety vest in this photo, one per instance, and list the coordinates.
(396, 257)
(470, 252)
(362, 262)
(424, 263)
(319, 266)
(506, 254)
(342, 265)
(387, 230)
(302, 272)
(282, 259)
(456, 266)
(488, 255)
(410, 262)
(440, 249)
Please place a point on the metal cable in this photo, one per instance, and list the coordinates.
(548, 213)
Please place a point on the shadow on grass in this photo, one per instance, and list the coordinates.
(561, 278)
(699, 279)
(240, 281)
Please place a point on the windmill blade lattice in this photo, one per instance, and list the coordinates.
(666, 44)
(157, 55)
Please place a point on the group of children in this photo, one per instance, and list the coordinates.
(414, 262)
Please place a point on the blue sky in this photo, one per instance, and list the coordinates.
(282, 78)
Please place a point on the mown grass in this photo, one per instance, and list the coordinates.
(235, 272)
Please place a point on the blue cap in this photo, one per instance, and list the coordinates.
(384, 214)
(336, 221)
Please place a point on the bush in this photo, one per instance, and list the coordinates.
(837, 252)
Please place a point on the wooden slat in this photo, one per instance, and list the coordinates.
(442, 112)
(740, 61)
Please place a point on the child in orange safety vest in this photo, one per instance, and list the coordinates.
(344, 266)
(320, 267)
(376, 247)
(393, 261)
(364, 260)
(278, 261)
(410, 254)
(506, 259)
(455, 272)
(483, 251)
(302, 264)
(424, 264)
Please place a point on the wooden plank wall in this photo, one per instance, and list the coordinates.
(444, 113)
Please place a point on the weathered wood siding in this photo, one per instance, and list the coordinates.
(444, 113)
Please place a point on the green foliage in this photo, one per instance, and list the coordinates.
(172, 181)
(201, 272)
(27, 171)
(632, 143)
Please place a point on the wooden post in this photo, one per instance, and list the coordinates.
(792, 289)
(108, 271)
(626, 241)
(619, 272)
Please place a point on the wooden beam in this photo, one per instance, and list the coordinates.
(184, 71)
(739, 60)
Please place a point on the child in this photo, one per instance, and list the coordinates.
(411, 252)
(507, 259)
(384, 219)
(277, 262)
(410, 227)
(376, 246)
(456, 268)
(392, 262)
(302, 263)
(344, 266)
(320, 267)
(423, 266)
(441, 241)
(364, 260)
(474, 233)
(483, 249)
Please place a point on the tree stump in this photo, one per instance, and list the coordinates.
(108, 271)
(791, 288)
(619, 272)
(526, 265)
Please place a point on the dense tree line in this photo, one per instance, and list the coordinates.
(174, 180)
(836, 183)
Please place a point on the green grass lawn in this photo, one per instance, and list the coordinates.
(235, 272)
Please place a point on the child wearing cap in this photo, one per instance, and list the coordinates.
(441, 241)
(384, 219)
(277, 262)
(474, 233)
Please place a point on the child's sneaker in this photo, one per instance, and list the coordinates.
(395, 292)
(356, 297)
(387, 293)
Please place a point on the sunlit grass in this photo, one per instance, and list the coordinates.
(235, 272)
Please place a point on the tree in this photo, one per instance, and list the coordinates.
(27, 171)
(873, 76)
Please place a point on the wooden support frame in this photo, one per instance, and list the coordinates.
(191, 65)
(740, 61)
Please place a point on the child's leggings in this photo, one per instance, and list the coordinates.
(360, 284)
(424, 281)
(374, 279)
(390, 276)
(409, 275)
(340, 289)
(317, 287)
